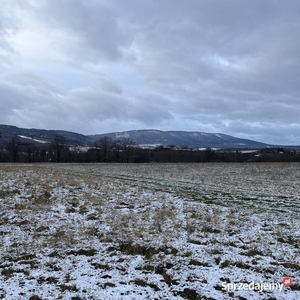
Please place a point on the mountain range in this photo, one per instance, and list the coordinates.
(152, 138)
(143, 138)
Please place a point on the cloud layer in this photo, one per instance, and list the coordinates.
(100, 66)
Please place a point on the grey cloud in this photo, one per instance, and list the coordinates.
(185, 38)
(27, 98)
(96, 104)
(92, 27)
(226, 66)
(7, 27)
(32, 83)
(11, 99)
(149, 109)
(266, 131)
(106, 83)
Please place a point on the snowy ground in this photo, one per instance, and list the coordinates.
(149, 231)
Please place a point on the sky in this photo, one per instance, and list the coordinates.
(99, 66)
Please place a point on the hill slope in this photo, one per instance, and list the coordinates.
(148, 138)
(40, 135)
(186, 138)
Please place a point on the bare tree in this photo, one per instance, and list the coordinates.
(13, 147)
(128, 146)
(58, 145)
(103, 145)
(97, 149)
(117, 145)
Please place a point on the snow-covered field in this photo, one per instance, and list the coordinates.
(149, 231)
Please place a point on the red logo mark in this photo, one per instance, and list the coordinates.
(287, 281)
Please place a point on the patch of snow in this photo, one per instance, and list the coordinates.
(36, 140)
(149, 231)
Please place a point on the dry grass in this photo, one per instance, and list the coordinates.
(50, 210)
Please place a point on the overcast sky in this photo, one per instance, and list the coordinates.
(98, 66)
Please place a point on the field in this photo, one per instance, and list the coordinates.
(148, 231)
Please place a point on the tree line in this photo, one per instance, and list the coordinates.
(106, 150)
(58, 150)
